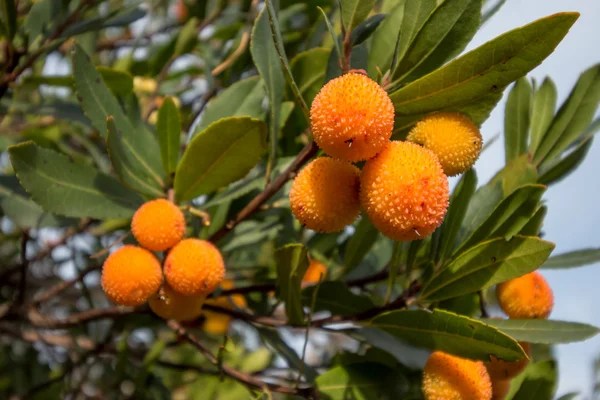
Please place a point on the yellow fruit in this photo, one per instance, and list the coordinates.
(143, 85)
(500, 388)
(528, 296)
(314, 272)
(448, 377)
(158, 225)
(169, 304)
(324, 195)
(452, 137)
(194, 267)
(404, 191)
(218, 323)
(131, 275)
(502, 370)
(352, 117)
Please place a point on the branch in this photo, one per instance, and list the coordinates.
(62, 286)
(23, 268)
(40, 321)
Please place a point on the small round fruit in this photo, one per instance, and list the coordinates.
(352, 117)
(449, 377)
(324, 195)
(158, 225)
(314, 272)
(500, 388)
(528, 296)
(452, 137)
(169, 304)
(404, 191)
(218, 323)
(194, 267)
(131, 275)
(500, 369)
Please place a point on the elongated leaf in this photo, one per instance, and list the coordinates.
(516, 119)
(243, 98)
(487, 264)
(573, 259)
(542, 112)
(9, 18)
(489, 68)
(359, 244)
(355, 11)
(359, 381)
(574, 116)
(489, 13)
(560, 168)
(416, 13)
(364, 30)
(292, 263)
(337, 298)
(534, 226)
(119, 82)
(384, 41)
(221, 154)
(543, 330)
(40, 16)
(26, 214)
(65, 188)
(168, 129)
(334, 37)
(570, 396)
(539, 381)
(187, 38)
(450, 333)
(308, 69)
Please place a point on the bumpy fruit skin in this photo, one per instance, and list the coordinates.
(352, 118)
(324, 195)
(217, 323)
(158, 225)
(447, 377)
(131, 275)
(528, 296)
(500, 388)
(452, 137)
(404, 191)
(502, 370)
(194, 267)
(169, 304)
(313, 273)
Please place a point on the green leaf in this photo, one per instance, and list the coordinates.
(573, 259)
(168, 129)
(221, 154)
(308, 69)
(434, 34)
(26, 214)
(542, 112)
(448, 332)
(539, 381)
(572, 118)
(569, 396)
(187, 38)
(292, 263)
(119, 82)
(65, 188)
(365, 29)
(487, 69)
(516, 119)
(354, 12)
(492, 11)
(509, 217)
(543, 330)
(459, 204)
(416, 13)
(360, 381)
(516, 173)
(256, 361)
(560, 168)
(487, 264)
(9, 18)
(359, 244)
(139, 146)
(125, 163)
(243, 98)
(384, 41)
(40, 16)
(334, 38)
(534, 226)
(336, 298)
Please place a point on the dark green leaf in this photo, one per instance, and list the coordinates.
(569, 396)
(560, 168)
(292, 263)
(542, 112)
(308, 69)
(168, 129)
(492, 11)
(354, 12)
(359, 244)
(543, 330)
(534, 226)
(221, 154)
(416, 13)
(336, 298)
(573, 259)
(384, 41)
(65, 188)
(539, 381)
(364, 30)
(487, 264)
(450, 333)
(9, 18)
(516, 119)
(39, 17)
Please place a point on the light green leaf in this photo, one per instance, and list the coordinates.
(448, 332)
(334, 37)
(573, 259)
(539, 381)
(359, 381)
(308, 69)
(65, 188)
(187, 38)
(292, 263)
(416, 13)
(168, 129)
(487, 264)
(119, 82)
(256, 361)
(355, 11)
(40, 16)
(487, 69)
(359, 244)
(384, 41)
(543, 330)
(336, 298)
(26, 214)
(560, 168)
(516, 119)
(221, 154)
(542, 112)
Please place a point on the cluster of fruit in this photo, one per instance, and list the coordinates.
(403, 185)
(193, 268)
(450, 377)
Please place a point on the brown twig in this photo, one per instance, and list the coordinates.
(94, 314)
(23, 268)
(62, 286)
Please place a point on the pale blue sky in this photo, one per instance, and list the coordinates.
(573, 215)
